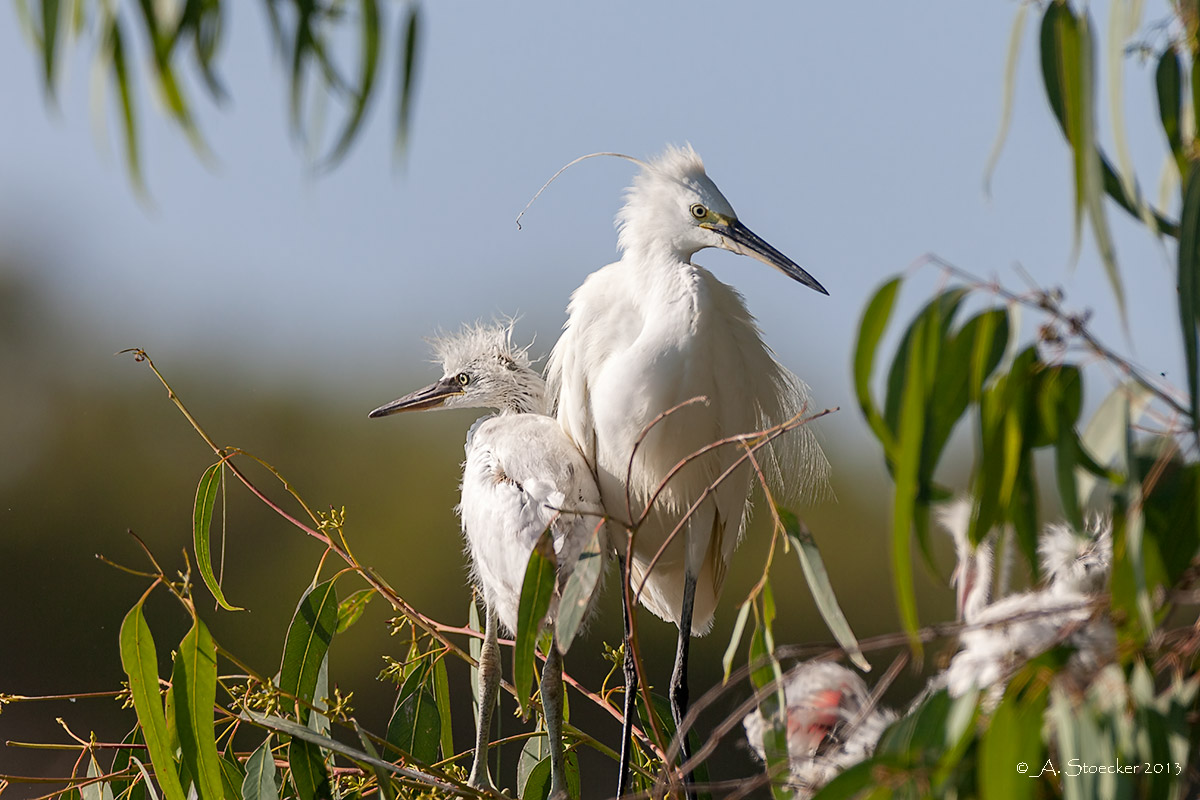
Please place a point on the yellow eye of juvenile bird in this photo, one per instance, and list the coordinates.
(699, 211)
(462, 378)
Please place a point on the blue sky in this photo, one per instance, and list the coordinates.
(852, 136)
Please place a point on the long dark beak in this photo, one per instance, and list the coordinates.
(744, 241)
(432, 396)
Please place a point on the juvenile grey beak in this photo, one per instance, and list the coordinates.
(746, 242)
(432, 396)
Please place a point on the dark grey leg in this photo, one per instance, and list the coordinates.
(679, 685)
(631, 688)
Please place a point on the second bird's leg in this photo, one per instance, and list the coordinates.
(679, 677)
(489, 687)
(631, 686)
(552, 710)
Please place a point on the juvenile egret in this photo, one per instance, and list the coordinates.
(522, 475)
(651, 331)
(1005, 633)
(831, 724)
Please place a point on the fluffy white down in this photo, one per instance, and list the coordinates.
(519, 469)
(829, 726)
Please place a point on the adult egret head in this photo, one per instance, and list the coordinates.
(674, 205)
(482, 368)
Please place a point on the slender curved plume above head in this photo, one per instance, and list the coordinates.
(567, 166)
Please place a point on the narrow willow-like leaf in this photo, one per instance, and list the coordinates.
(734, 640)
(909, 441)
(1006, 100)
(382, 776)
(537, 781)
(441, 695)
(100, 790)
(309, 773)
(579, 592)
(870, 331)
(1012, 738)
(1059, 19)
(1168, 83)
(115, 39)
(146, 781)
(1189, 288)
(475, 646)
(535, 751)
(410, 32)
(415, 726)
(1134, 531)
(352, 608)
(131, 788)
(316, 720)
(194, 688)
(1121, 26)
(536, 594)
(206, 498)
(307, 641)
(233, 775)
(772, 706)
(140, 662)
(260, 781)
(368, 68)
(821, 587)
(50, 18)
(300, 732)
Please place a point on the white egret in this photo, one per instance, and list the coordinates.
(522, 475)
(1006, 632)
(832, 724)
(653, 330)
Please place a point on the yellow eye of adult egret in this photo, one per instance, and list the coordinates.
(699, 211)
(462, 378)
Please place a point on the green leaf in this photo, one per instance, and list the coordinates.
(260, 783)
(232, 776)
(536, 594)
(415, 726)
(1006, 101)
(441, 696)
(536, 751)
(368, 68)
(409, 34)
(580, 590)
(821, 588)
(1062, 74)
(50, 18)
(870, 331)
(140, 662)
(350, 609)
(735, 639)
(1168, 81)
(382, 777)
(194, 688)
(1189, 288)
(772, 706)
(131, 788)
(911, 430)
(206, 498)
(115, 45)
(309, 774)
(537, 782)
(307, 641)
(1068, 70)
(101, 790)
(1012, 738)
(475, 647)
(1103, 439)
